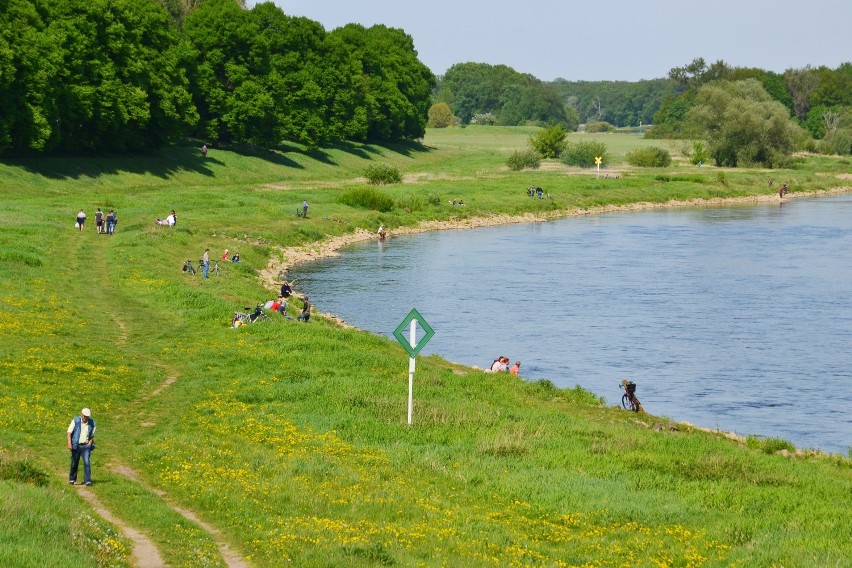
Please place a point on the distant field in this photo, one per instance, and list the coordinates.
(290, 440)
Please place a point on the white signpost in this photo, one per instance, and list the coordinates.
(413, 347)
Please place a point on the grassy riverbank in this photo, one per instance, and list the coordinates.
(291, 439)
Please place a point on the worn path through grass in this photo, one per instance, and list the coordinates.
(115, 322)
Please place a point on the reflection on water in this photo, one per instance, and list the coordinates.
(735, 318)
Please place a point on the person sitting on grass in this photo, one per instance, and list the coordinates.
(236, 257)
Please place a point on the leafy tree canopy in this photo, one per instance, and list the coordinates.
(90, 75)
(478, 89)
(743, 125)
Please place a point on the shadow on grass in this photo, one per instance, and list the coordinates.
(161, 163)
(185, 157)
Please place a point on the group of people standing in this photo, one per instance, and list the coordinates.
(105, 224)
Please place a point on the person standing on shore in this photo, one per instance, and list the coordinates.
(305, 208)
(305, 315)
(80, 437)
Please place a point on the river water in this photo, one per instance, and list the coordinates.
(737, 318)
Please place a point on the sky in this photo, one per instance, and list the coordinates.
(624, 40)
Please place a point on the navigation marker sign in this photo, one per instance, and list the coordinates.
(413, 347)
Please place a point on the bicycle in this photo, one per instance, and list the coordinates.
(188, 268)
(628, 399)
(247, 317)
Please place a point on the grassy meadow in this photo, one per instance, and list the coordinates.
(291, 439)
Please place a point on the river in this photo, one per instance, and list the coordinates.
(736, 318)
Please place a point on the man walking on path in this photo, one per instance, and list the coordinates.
(81, 442)
(99, 220)
(111, 221)
(205, 262)
(305, 208)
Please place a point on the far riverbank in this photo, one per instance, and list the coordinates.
(288, 257)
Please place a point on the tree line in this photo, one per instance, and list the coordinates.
(747, 115)
(93, 75)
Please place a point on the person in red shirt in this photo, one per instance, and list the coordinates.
(225, 255)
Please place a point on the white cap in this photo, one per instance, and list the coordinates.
(86, 412)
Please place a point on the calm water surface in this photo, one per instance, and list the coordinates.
(734, 318)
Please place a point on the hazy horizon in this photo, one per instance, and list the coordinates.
(619, 41)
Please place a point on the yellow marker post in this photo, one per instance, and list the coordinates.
(598, 160)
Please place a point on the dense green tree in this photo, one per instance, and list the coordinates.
(514, 98)
(620, 103)
(572, 118)
(29, 69)
(262, 77)
(535, 102)
(801, 83)
(743, 125)
(773, 83)
(834, 86)
(180, 9)
(91, 75)
(396, 85)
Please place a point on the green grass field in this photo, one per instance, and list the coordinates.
(291, 440)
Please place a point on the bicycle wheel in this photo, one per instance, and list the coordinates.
(626, 402)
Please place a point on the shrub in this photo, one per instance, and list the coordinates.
(433, 199)
(699, 153)
(23, 472)
(523, 159)
(769, 445)
(550, 142)
(484, 118)
(691, 179)
(440, 116)
(649, 157)
(381, 174)
(602, 126)
(410, 203)
(367, 198)
(583, 154)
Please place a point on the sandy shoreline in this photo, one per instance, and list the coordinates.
(288, 257)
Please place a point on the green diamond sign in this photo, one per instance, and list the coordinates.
(413, 350)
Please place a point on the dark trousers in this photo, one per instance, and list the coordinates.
(84, 452)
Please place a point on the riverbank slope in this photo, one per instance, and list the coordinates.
(289, 440)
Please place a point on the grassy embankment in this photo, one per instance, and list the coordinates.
(292, 439)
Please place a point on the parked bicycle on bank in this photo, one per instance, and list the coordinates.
(248, 317)
(628, 399)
